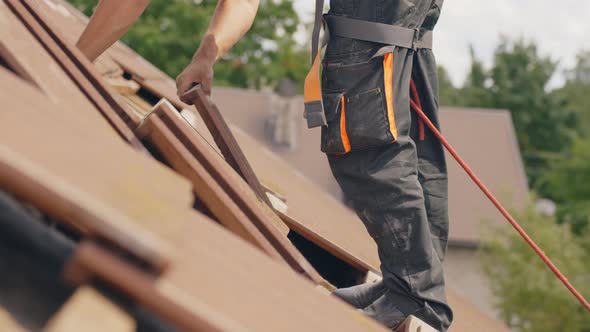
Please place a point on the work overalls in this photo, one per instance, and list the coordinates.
(388, 165)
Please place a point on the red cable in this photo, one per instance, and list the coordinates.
(499, 206)
(416, 97)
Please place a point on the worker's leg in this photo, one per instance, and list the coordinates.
(384, 186)
(432, 169)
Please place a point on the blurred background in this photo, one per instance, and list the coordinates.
(529, 59)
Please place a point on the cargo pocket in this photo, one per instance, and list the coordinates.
(367, 123)
(358, 105)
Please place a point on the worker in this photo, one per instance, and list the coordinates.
(377, 59)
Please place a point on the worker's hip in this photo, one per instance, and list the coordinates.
(365, 102)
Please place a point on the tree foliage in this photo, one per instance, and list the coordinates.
(567, 181)
(551, 126)
(568, 176)
(169, 32)
(448, 94)
(476, 92)
(529, 296)
(517, 82)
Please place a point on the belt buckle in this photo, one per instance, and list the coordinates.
(416, 39)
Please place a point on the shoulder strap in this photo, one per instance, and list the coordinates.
(317, 27)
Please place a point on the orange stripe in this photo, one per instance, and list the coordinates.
(312, 90)
(343, 133)
(388, 80)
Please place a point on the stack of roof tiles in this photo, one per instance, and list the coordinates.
(119, 214)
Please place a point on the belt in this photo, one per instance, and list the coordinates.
(378, 32)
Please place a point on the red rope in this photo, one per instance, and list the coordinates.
(416, 98)
(499, 206)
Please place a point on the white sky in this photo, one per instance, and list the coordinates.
(560, 27)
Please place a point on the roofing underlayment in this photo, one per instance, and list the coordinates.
(69, 147)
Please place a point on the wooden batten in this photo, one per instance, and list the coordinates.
(225, 139)
(155, 131)
(122, 86)
(260, 215)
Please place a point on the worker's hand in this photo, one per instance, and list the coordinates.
(200, 70)
(197, 72)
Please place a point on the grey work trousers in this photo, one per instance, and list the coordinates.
(399, 191)
(392, 172)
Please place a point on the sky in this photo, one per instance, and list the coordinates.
(560, 28)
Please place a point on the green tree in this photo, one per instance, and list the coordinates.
(476, 92)
(449, 95)
(169, 32)
(520, 76)
(567, 181)
(529, 296)
(581, 71)
(517, 81)
(574, 95)
(568, 172)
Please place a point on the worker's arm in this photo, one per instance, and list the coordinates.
(110, 21)
(232, 19)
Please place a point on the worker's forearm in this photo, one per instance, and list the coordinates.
(111, 19)
(232, 19)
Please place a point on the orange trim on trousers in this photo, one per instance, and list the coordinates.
(343, 133)
(388, 81)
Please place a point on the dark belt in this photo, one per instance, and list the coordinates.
(378, 32)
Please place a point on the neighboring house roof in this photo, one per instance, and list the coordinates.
(485, 139)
